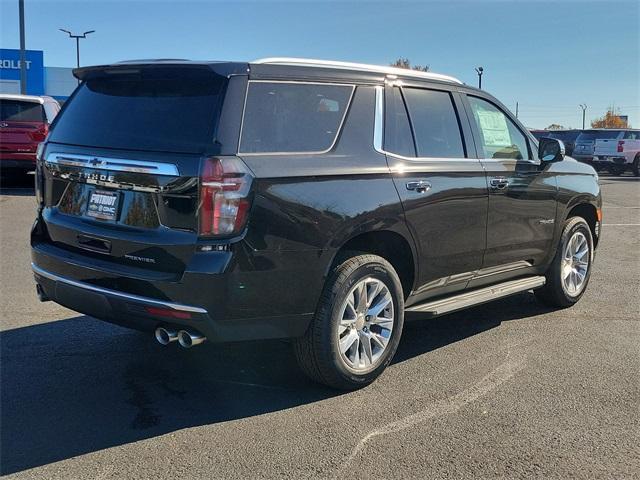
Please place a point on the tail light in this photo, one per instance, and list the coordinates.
(39, 179)
(225, 184)
(40, 134)
(620, 145)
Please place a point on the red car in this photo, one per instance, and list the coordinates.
(24, 123)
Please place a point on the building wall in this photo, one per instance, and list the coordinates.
(59, 82)
(9, 86)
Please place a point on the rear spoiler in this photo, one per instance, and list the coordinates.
(225, 69)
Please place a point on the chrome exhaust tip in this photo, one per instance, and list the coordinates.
(165, 336)
(188, 339)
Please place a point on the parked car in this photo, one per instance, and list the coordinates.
(538, 134)
(568, 137)
(24, 123)
(619, 154)
(290, 198)
(586, 142)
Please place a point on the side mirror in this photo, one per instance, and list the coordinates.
(550, 150)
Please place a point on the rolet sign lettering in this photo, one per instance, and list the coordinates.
(14, 64)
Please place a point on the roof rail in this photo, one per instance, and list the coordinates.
(309, 62)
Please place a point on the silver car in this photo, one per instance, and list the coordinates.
(586, 141)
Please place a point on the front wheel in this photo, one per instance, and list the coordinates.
(357, 326)
(569, 273)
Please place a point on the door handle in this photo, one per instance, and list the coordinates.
(499, 183)
(419, 186)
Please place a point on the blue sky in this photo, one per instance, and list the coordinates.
(548, 56)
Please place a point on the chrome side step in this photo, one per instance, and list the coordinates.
(476, 297)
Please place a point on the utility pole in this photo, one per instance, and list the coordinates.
(23, 53)
(583, 106)
(77, 37)
(480, 71)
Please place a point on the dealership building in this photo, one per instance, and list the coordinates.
(56, 82)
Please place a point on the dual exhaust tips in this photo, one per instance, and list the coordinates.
(186, 338)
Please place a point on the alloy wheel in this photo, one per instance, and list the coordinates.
(575, 264)
(366, 323)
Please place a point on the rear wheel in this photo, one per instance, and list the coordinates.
(568, 274)
(617, 170)
(357, 326)
(636, 166)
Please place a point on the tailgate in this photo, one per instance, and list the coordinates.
(605, 147)
(21, 136)
(22, 125)
(135, 210)
(121, 166)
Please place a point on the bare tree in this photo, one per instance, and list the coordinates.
(405, 63)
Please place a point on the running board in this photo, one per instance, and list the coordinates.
(476, 297)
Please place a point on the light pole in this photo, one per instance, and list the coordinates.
(77, 37)
(23, 60)
(583, 106)
(480, 70)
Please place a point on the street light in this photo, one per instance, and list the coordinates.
(77, 37)
(480, 70)
(583, 106)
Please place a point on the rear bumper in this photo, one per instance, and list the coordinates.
(582, 157)
(127, 301)
(609, 159)
(109, 304)
(18, 160)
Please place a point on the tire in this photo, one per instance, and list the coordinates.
(636, 166)
(319, 351)
(557, 291)
(617, 170)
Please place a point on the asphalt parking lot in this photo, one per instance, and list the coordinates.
(509, 389)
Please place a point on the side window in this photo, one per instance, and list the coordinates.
(632, 135)
(51, 111)
(435, 123)
(293, 117)
(398, 138)
(499, 137)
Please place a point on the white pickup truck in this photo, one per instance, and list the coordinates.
(619, 154)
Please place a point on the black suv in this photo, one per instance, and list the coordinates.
(289, 198)
(568, 137)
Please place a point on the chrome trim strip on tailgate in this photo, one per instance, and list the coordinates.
(126, 296)
(112, 164)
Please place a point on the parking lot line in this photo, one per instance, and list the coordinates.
(512, 365)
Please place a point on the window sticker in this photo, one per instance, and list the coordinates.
(494, 128)
(327, 105)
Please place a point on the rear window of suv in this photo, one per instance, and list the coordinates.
(284, 117)
(598, 135)
(158, 109)
(21, 111)
(564, 136)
